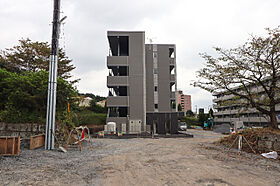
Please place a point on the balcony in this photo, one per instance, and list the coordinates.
(117, 81)
(228, 119)
(117, 101)
(218, 120)
(172, 78)
(217, 113)
(215, 100)
(172, 61)
(215, 106)
(223, 98)
(257, 119)
(172, 96)
(117, 119)
(117, 61)
(236, 111)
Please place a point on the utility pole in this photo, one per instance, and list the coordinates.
(51, 102)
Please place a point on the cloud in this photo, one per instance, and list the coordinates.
(195, 26)
(96, 80)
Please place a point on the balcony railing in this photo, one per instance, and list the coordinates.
(173, 95)
(172, 61)
(117, 81)
(117, 61)
(244, 119)
(117, 101)
(117, 119)
(172, 78)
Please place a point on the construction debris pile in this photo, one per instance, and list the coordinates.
(261, 140)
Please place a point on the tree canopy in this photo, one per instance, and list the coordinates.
(179, 107)
(24, 96)
(34, 56)
(249, 72)
(97, 108)
(189, 113)
(211, 112)
(95, 98)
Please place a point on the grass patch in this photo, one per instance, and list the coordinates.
(87, 117)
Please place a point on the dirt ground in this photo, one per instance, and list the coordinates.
(164, 161)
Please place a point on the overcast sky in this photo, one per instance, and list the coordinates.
(195, 26)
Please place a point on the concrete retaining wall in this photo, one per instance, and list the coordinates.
(24, 130)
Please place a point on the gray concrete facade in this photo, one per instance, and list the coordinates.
(127, 95)
(141, 81)
(165, 72)
(162, 116)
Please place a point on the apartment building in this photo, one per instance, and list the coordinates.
(184, 101)
(142, 84)
(237, 112)
(161, 87)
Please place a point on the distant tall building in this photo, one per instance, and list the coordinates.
(184, 101)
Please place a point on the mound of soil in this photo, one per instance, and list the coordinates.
(253, 136)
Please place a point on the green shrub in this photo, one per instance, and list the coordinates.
(24, 96)
(89, 118)
(190, 120)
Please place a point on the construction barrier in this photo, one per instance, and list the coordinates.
(9, 145)
(77, 135)
(37, 141)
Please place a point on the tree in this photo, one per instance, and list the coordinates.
(97, 108)
(190, 120)
(211, 113)
(34, 56)
(96, 98)
(24, 96)
(179, 107)
(202, 118)
(189, 113)
(240, 70)
(173, 105)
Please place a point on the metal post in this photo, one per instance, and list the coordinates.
(51, 102)
(239, 144)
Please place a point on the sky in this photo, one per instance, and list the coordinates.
(195, 26)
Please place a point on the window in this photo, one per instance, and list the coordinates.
(155, 71)
(156, 106)
(155, 79)
(155, 54)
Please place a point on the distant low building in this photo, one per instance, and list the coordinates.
(101, 103)
(230, 113)
(85, 102)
